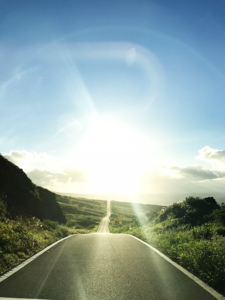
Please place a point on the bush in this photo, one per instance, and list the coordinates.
(192, 210)
(71, 223)
(218, 216)
(62, 232)
(152, 215)
(49, 225)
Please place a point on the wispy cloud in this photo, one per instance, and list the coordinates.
(74, 125)
(4, 86)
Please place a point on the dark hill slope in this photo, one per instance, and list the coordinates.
(22, 197)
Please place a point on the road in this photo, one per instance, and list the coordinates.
(104, 225)
(101, 267)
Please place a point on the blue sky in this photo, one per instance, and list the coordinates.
(114, 97)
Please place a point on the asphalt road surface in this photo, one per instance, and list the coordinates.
(104, 226)
(101, 266)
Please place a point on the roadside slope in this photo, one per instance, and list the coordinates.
(22, 197)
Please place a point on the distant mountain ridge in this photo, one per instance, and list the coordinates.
(22, 197)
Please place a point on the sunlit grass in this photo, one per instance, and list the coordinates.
(82, 213)
(192, 233)
(21, 237)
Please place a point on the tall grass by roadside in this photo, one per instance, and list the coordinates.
(21, 237)
(192, 233)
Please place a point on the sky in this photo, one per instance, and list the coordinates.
(116, 98)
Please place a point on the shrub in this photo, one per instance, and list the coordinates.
(49, 225)
(71, 223)
(192, 210)
(62, 231)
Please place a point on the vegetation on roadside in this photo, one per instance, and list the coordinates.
(191, 232)
(22, 236)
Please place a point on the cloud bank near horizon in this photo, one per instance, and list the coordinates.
(47, 171)
(56, 173)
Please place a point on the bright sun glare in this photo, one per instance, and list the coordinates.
(115, 155)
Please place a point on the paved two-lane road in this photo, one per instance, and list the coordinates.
(101, 267)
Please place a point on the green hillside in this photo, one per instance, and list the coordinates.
(191, 232)
(82, 213)
(133, 214)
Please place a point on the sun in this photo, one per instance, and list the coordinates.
(115, 153)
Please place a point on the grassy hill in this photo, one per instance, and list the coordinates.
(82, 213)
(191, 232)
(133, 214)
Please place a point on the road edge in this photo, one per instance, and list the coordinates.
(26, 262)
(210, 290)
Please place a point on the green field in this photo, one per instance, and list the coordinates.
(82, 213)
(133, 215)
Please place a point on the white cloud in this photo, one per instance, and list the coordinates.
(46, 170)
(189, 178)
(213, 156)
(15, 156)
(68, 176)
(58, 174)
(30, 160)
(197, 173)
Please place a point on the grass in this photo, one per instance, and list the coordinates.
(192, 233)
(82, 213)
(133, 214)
(21, 236)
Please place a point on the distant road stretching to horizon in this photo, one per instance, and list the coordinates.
(104, 225)
(102, 267)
